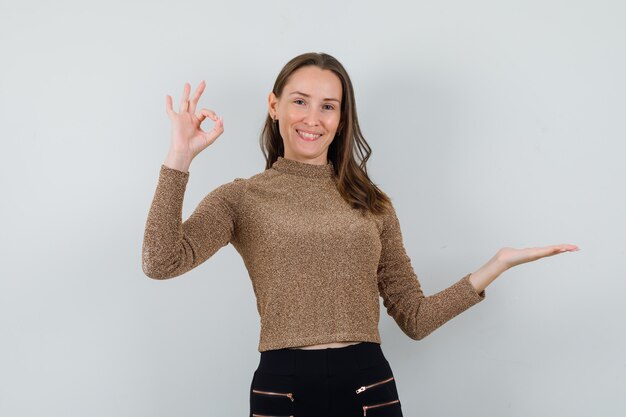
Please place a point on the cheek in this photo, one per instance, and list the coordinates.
(285, 132)
(293, 115)
(332, 121)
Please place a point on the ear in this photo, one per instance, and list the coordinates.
(272, 101)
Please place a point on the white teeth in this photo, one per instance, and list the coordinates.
(308, 135)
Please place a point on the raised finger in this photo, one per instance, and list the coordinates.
(194, 100)
(168, 106)
(184, 101)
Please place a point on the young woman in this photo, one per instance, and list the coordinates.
(321, 243)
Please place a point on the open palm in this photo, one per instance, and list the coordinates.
(512, 257)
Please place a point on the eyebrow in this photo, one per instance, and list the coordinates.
(306, 95)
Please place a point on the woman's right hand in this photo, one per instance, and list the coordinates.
(188, 139)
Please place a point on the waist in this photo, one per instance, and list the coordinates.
(327, 361)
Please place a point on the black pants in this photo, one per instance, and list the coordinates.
(350, 381)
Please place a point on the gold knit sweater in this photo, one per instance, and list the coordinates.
(317, 265)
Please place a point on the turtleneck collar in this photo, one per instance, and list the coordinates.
(303, 169)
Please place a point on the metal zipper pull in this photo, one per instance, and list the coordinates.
(367, 407)
(360, 390)
(263, 415)
(286, 394)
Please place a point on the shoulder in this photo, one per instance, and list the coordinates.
(235, 189)
(260, 179)
(230, 191)
(387, 220)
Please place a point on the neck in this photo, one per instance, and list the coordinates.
(303, 169)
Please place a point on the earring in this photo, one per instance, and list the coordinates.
(274, 119)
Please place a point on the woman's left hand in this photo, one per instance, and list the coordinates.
(511, 257)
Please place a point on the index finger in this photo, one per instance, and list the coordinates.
(194, 100)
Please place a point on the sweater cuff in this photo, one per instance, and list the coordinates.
(173, 177)
(470, 290)
(171, 185)
(171, 171)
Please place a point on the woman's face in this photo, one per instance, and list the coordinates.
(308, 113)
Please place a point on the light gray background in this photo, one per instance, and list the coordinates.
(493, 123)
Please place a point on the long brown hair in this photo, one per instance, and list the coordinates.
(352, 180)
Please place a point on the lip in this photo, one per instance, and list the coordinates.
(308, 139)
(309, 131)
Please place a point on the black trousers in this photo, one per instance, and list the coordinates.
(350, 381)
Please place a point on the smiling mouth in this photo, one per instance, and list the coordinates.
(308, 136)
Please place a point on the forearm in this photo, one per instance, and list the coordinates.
(163, 231)
(487, 273)
(176, 160)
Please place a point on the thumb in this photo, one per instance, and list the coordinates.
(214, 133)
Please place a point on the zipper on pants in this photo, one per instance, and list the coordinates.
(367, 407)
(360, 390)
(284, 394)
(263, 415)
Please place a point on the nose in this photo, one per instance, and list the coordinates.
(311, 117)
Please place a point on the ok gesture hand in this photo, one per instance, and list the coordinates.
(188, 139)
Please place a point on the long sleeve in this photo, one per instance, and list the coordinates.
(417, 315)
(172, 247)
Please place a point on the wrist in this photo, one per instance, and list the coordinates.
(177, 160)
(498, 264)
(487, 273)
